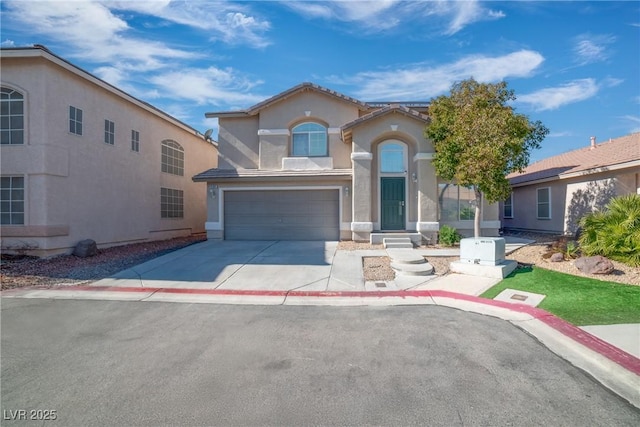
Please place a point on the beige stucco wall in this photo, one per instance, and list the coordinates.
(570, 200)
(238, 143)
(79, 187)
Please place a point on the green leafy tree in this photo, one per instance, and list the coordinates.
(479, 139)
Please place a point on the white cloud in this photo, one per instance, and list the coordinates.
(8, 43)
(93, 32)
(376, 16)
(555, 97)
(423, 81)
(633, 122)
(590, 48)
(230, 22)
(210, 86)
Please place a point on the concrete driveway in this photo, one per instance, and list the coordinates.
(241, 265)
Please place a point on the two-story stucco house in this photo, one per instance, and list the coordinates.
(314, 164)
(81, 159)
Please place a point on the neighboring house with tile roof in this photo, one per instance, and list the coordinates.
(553, 194)
(81, 159)
(313, 164)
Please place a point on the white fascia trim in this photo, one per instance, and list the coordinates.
(333, 131)
(362, 226)
(278, 132)
(361, 155)
(600, 169)
(213, 226)
(428, 226)
(423, 156)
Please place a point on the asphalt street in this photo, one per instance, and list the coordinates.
(129, 363)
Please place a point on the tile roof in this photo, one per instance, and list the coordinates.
(614, 152)
(286, 94)
(391, 108)
(216, 173)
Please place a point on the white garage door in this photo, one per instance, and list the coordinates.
(281, 215)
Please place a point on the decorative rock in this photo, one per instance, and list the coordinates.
(86, 248)
(556, 257)
(594, 265)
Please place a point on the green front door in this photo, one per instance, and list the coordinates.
(393, 203)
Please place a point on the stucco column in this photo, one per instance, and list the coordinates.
(428, 224)
(361, 225)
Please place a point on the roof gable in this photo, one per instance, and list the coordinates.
(619, 152)
(307, 86)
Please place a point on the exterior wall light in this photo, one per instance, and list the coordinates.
(212, 191)
(346, 191)
(414, 177)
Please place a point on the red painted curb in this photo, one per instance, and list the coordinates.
(621, 357)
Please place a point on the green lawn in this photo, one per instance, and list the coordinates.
(578, 300)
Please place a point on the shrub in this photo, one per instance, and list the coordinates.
(615, 231)
(449, 236)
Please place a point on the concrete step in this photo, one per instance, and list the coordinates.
(397, 242)
(398, 245)
(425, 269)
(377, 238)
(405, 256)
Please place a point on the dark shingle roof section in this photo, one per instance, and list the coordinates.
(226, 174)
(614, 152)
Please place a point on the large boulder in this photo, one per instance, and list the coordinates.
(594, 265)
(86, 248)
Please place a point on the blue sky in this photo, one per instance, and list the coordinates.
(573, 65)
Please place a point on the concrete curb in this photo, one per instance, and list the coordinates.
(611, 366)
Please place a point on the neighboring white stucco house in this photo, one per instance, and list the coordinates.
(552, 195)
(83, 159)
(311, 163)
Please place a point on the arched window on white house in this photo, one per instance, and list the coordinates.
(172, 157)
(11, 117)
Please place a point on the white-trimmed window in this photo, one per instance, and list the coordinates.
(171, 203)
(392, 158)
(543, 196)
(507, 207)
(172, 158)
(11, 117)
(309, 140)
(135, 141)
(456, 202)
(12, 200)
(75, 120)
(109, 132)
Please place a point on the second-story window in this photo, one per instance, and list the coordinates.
(75, 120)
(135, 141)
(309, 140)
(172, 158)
(11, 117)
(109, 132)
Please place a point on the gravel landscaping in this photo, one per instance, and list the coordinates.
(17, 271)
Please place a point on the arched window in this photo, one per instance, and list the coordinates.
(392, 158)
(172, 158)
(309, 140)
(11, 117)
